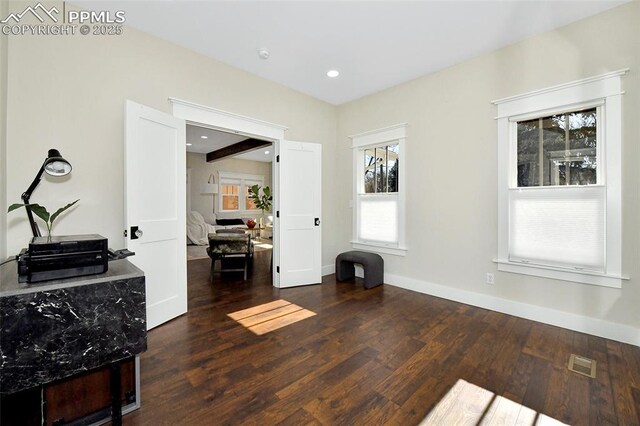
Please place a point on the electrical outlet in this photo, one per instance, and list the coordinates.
(490, 279)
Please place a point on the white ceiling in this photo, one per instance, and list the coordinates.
(217, 139)
(259, 154)
(374, 44)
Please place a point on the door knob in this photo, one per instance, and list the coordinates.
(316, 222)
(136, 233)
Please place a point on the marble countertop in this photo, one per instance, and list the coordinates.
(9, 285)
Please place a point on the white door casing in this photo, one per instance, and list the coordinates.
(300, 206)
(290, 250)
(155, 202)
(239, 124)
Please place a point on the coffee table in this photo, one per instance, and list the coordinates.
(253, 231)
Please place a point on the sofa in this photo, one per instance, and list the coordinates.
(199, 225)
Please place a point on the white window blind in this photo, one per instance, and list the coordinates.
(378, 218)
(558, 226)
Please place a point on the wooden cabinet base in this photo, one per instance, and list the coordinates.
(81, 399)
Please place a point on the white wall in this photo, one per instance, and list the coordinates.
(201, 170)
(452, 166)
(68, 92)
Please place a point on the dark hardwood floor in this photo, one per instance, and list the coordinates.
(379, 356)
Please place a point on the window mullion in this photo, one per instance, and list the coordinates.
(567, 151)
(540, 152)
(386, 168)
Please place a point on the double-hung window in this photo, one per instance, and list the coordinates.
(559, 182)
(234, 191)
(229, 194)
(379, 194)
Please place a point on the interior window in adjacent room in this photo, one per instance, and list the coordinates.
(230, 197)
(234, 191)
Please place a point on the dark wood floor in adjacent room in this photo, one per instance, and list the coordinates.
(380, 356)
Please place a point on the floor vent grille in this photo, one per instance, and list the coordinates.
(581, 365)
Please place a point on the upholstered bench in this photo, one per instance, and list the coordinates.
(372, 263)
(227, 245)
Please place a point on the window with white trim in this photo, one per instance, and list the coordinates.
(559, 177)
(234, 191)
(379, 194)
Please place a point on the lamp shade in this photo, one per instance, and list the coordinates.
(209, 188)
(55, 165)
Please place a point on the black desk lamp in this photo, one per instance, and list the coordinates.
(54, 165)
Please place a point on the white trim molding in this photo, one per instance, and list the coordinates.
(226, 121)
(604, 92)
(373, 137)
(563, 274)
(378, 248)
(559, 87)
(230, 122)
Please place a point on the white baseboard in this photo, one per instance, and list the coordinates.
(609, 330)
(583, 324)
(328, 269)
(331, 269)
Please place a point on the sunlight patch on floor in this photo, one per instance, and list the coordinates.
(468, 404)
(270, 316)
(263, 245)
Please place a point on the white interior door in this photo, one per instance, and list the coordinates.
(300, 205)
(155, 198)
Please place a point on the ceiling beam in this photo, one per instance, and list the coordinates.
(235, 149)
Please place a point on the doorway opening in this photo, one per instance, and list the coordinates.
(297, 190)
(225, 172)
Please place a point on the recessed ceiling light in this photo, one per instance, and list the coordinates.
(333, 73)
(189, 144)
(204, 137)
(266, 153)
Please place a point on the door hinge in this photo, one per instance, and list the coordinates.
(278, 213)
(125, 233)
(278, 269)
(277, 158)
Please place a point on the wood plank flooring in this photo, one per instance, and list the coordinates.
(379, 356)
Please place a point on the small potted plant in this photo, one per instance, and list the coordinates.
(42, 213)
(261, 198)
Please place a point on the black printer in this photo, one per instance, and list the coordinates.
(50, 258)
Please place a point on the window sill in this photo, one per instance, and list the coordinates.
(396, 251)
(583, 277)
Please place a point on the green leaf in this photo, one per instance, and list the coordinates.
(39, 211)
(60, 210)
(267, 191)
(13, 207)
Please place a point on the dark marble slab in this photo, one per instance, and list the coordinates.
(58, 329)
(9, 285)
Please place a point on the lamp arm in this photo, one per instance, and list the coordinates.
(26, 195)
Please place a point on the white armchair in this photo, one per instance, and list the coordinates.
(197, 229)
